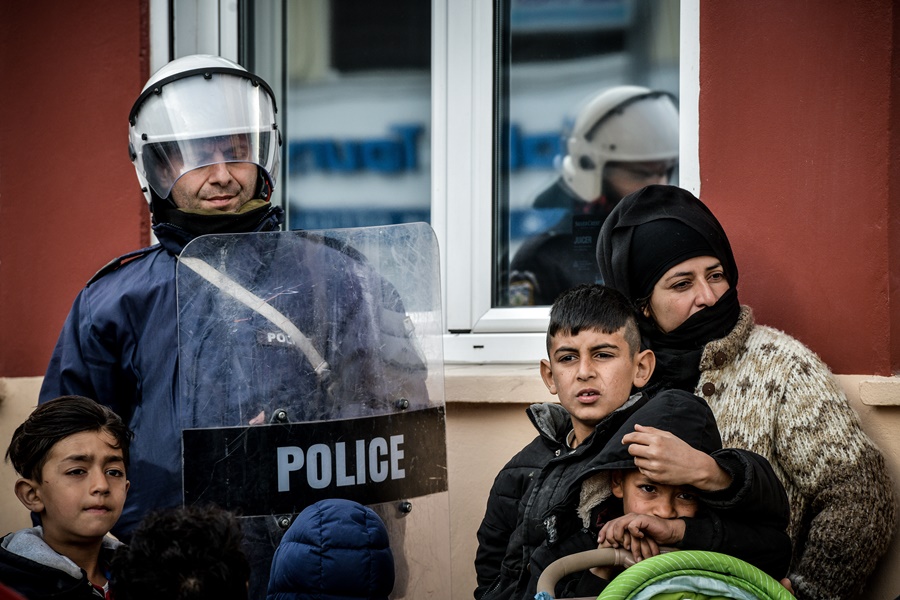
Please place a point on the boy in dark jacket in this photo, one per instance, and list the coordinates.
(594, 364)
(631, 499)
(71, 454)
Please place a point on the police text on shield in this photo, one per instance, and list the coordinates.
(374, 460)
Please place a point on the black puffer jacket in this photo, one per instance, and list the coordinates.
(543, 475)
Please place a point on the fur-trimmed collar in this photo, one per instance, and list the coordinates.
(594, 490)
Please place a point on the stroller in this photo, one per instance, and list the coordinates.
(675, 575)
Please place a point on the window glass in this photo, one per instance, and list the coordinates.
(569, 140)
(355, 107)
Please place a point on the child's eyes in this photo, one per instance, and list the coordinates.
(111, 472)
(687, 497)
(647, 488)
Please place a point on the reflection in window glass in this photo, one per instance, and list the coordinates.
(357, 114)
(586, 112)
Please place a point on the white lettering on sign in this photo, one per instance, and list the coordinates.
(375, 461)
(377, 449)
(281, 338)
(396, 457)
(318, 466)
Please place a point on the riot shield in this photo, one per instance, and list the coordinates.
(311, 367)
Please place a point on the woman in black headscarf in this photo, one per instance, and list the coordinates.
(668, 254)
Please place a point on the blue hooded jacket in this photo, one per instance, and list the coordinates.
(334, 550)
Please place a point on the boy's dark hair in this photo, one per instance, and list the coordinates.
(57, 419)
(596, 307)
(184, 553)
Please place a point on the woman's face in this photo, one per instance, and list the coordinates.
(684, 289)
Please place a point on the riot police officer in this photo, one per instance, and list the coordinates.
(623, 139)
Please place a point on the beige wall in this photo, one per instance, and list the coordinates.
(482, 435)
(18, 397)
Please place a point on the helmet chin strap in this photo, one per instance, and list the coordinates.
(263, 189)
(159, 206)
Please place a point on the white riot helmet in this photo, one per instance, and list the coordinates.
(201, 110)
(622, 124)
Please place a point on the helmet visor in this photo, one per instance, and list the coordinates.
(166, 162)
(199, 120)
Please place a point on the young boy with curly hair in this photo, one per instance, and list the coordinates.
(183, 553)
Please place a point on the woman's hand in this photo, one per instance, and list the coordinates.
(665, 458)
(641, 534)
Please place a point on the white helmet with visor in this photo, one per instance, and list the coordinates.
(627, 123)
(197, 111)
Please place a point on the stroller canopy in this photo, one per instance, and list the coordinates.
(694, 575)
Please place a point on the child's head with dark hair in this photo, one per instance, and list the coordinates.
(593, 306)
(185, 553)
(58, 419)
(594, 359)
(72, 454)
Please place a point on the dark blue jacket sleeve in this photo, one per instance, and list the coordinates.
(87, 361)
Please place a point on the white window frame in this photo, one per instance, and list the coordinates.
(462, 159)
(462, 181)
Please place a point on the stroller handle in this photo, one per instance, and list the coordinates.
(580, 561)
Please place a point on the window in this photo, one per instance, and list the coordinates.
(557, 62)
(355, 92)
(451, 112)
(546, 57)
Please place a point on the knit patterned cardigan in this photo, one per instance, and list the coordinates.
(774, 396)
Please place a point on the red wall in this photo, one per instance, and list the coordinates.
(797, 159)
(798, 162)
(69, 200)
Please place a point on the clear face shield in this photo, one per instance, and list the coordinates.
(166, 162)
(201, 119)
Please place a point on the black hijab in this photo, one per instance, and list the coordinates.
(685, 228)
